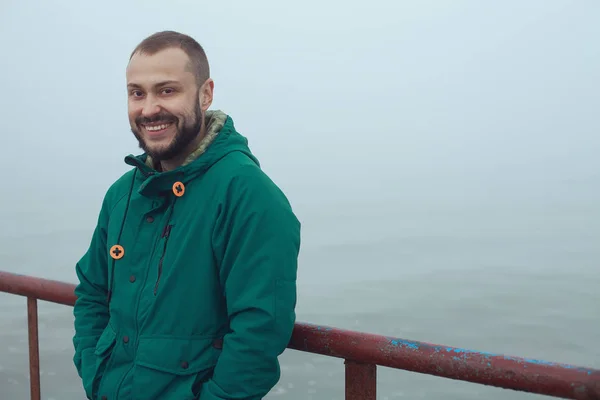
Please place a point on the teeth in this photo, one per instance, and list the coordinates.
(157, 128)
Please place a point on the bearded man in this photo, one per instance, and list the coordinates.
(188, 287)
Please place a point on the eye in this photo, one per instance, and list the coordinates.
(168, 91)
(136, 93)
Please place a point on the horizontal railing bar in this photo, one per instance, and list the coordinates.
(522, 374)
(39, 288)
(503, 371)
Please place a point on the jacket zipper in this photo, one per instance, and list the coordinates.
(165, 235)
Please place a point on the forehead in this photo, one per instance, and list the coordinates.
(168, 64)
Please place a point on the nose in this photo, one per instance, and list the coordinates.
(150, 107)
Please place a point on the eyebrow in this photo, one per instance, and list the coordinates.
(169, 82)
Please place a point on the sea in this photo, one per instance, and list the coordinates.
(514, 279)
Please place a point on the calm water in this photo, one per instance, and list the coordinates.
(522, 281)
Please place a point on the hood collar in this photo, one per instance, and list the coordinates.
(215, 119)
(221, 139)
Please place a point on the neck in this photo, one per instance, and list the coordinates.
(212, 125)
(168, 165)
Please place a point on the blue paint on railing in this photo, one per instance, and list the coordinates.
(405, 343)
(462, 354)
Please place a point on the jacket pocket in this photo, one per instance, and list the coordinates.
(173, 367)
(165, 240)
(102, 355)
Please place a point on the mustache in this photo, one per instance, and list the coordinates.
(161, 117)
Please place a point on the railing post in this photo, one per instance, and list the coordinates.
(34, 350)
(361, 380)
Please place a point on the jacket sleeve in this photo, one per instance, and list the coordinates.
(256, 242)
(91, 308)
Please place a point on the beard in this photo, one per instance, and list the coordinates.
(187, 130)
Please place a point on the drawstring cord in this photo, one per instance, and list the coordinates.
(164, 233)
(112, 266)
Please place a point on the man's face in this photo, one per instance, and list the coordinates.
(164, 103)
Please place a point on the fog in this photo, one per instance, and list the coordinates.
(448, 136)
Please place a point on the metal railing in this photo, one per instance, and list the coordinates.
(362, 354)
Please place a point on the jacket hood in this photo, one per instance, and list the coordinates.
(221, 139)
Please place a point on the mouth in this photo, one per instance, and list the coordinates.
(156, 129)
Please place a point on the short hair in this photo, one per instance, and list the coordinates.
(167, 39)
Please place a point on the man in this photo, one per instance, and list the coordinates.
(188, 288)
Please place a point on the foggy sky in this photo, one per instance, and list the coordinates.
(422, 104)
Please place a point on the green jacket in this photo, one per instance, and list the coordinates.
(199, 302)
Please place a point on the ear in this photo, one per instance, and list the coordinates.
(206, 94)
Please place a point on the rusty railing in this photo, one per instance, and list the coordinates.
(362, 353)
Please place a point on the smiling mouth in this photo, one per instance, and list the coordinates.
(157, 128)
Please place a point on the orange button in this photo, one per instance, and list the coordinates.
(117, 252)
(178, 189)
